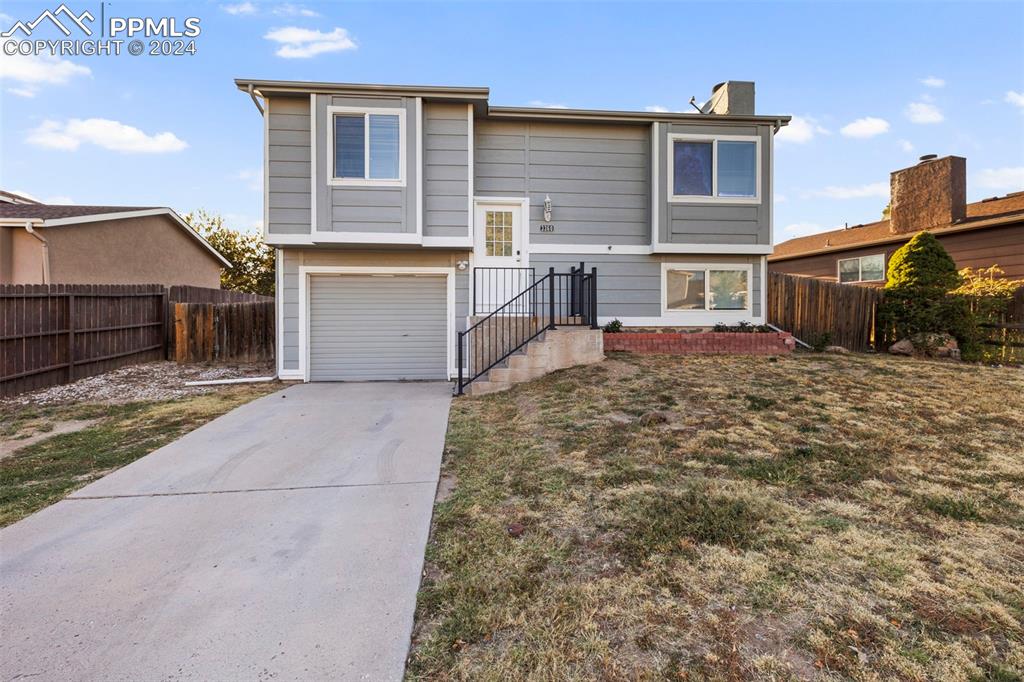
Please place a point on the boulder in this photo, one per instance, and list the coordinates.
(836, 349)
(902, 347)
(936, 345)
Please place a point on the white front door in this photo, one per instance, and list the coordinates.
(498, 255)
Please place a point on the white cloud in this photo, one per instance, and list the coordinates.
(546, 105)
(302, 43)
(252, 177)
(933, 82)
(656, 109)
(922, 112)
(906, 145)
(1010, 178)
(865, 127)
(1015, 98)
(290, 10)
(802, 229)
(874, 189)
(801, 129)
(781, 198)
(240, 8)
(112, 135)
(32, 72)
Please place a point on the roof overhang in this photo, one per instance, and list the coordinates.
(298, 88)
(640, 117)
(981, 224)
(98, 217)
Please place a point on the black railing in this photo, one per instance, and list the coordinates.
(554, 300)
(493, 287)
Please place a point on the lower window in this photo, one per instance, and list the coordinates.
(707, 288)
(863, 269)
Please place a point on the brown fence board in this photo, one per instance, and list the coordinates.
(810, 308)
(52, 334)
(224, 332)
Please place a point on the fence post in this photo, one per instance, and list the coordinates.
(71, 337)
(551, 298)
(165, 348)
(593, 298)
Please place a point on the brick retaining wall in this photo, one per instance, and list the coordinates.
(712, 343)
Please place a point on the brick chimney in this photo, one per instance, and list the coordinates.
(931, 194)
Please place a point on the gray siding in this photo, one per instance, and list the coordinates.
(598, 177)
(714, 223)
(288, 165)
(288, 297)
(630, 285)
(445, 170)
(371, 328)
(365, 209)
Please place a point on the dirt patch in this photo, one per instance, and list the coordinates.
(445, 486)
(8, 446)
(151, 381)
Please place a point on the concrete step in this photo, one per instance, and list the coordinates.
(515, 375)
(483, 387)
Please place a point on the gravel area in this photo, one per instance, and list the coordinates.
(146, 382)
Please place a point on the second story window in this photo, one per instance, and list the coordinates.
(367, 146)
(715, 169)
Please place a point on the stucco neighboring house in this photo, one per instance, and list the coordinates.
(66, 244)
(929, 196)
(386, 202)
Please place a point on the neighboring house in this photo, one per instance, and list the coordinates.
(929, 196)
(56, 244)
(385, 201)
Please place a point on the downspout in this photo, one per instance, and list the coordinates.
(252, 93)
(46, 250)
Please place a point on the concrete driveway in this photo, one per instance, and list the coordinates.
(283, 540)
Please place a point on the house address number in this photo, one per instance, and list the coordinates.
(547, 227)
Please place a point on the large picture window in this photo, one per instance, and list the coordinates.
(367, 146)
(726, 169)
(862, 269)
(707, 288)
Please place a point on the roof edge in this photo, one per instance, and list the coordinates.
(302, 87)
(979, 224)
(630, 116)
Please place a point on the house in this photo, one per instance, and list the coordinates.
(929, 196)
(391, 208)
(58, 244)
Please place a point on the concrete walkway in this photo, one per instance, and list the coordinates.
(283, 540)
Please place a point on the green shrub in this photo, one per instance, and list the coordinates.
(819, 342)
(920, 277)
(613, 327)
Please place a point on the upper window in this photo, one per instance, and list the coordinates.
(725, 168)
(864, 269)
(368, 146)
(706, 288)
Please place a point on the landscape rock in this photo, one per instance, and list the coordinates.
(902, 347)
(515, 529)
(652, 418)
(936, 345)
(836, 349)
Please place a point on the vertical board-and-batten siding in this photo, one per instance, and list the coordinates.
(288, 165)
(714, 223)
(597, 175)
(446, 170)
(383, 209)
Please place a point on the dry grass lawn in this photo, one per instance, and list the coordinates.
(815, 517)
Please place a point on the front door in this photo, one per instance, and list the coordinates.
(498, 253)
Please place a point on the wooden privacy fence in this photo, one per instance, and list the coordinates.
(55, 333)
(183, 293)
(811, 308)
(241, 332)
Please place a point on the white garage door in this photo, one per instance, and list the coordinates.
(370, 327)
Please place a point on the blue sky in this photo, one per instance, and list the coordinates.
(873, 86)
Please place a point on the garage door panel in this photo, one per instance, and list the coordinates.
(365, 328)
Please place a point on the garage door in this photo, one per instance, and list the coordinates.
(368, 327)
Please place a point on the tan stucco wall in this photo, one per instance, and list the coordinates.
(21, 257)
(148, 250)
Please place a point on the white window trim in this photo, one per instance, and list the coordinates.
(860, 269)
(333, 181)
(714, 198)
(705, 317)
(306, 271)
